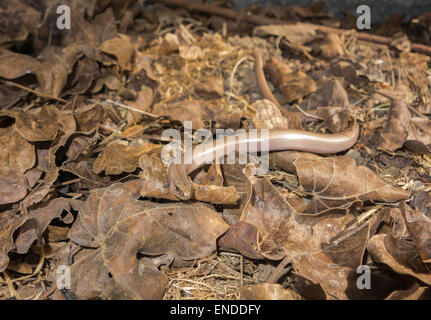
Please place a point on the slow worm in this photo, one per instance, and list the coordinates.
(277, 140)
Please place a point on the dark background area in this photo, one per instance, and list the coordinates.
(380, 9)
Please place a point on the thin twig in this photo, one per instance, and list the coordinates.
(125, 106)
(40, 94)
(306, 113)
(276, 273)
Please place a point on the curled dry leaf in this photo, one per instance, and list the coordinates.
(419, 138)
(403, 129)
(19, 19)
(401, 42)
(13, 186)
(143, 101)
(415, 292)
(17, 157)
(10, 221)
(121, 48)
(241, 237)
(400, 255)
(155, 183)
(120, 156)
(336, 183)
(268, 291)
(422, 202)
(143, 62)
(335, 119)
(16, 151)
(268, 116)
(395, 132)
(419, 226)
(56, 66)
(315, 246)
(49, 157)
(207, 187)
(293, 84)
(38, 220)
(89, 117)
(215, 194)
(14, 65)
(117, 226)
(212, 88)
(330, 46)
(330, 93)
(38, 125)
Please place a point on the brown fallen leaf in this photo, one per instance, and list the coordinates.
(311, 244)
(37, 125)
(329, 45)
(14, 65)
(268, 116)
(38, 220)
(143, 101)
(402, 129)
(335, 119)
(16, 151)
(121, 48)
(84, 170)
(401, 42)
(55, 67)
(89, 117)
(120, 156)
(48, 158)
(422, 202)
(395, 132)
(268, 291)
(207, 187)
(336, 183)
(329, 93)
(18, 21)
(241, 237)
(212, 88)
(400, 255)
(215, 194)
(293, 84)
(12, 185)
(116, 226)
(10, 221)
(419, 226)
(419, 138)
(155, 183)
(415, 292)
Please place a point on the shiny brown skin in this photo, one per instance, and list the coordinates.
(264, 89)
(278, 139)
